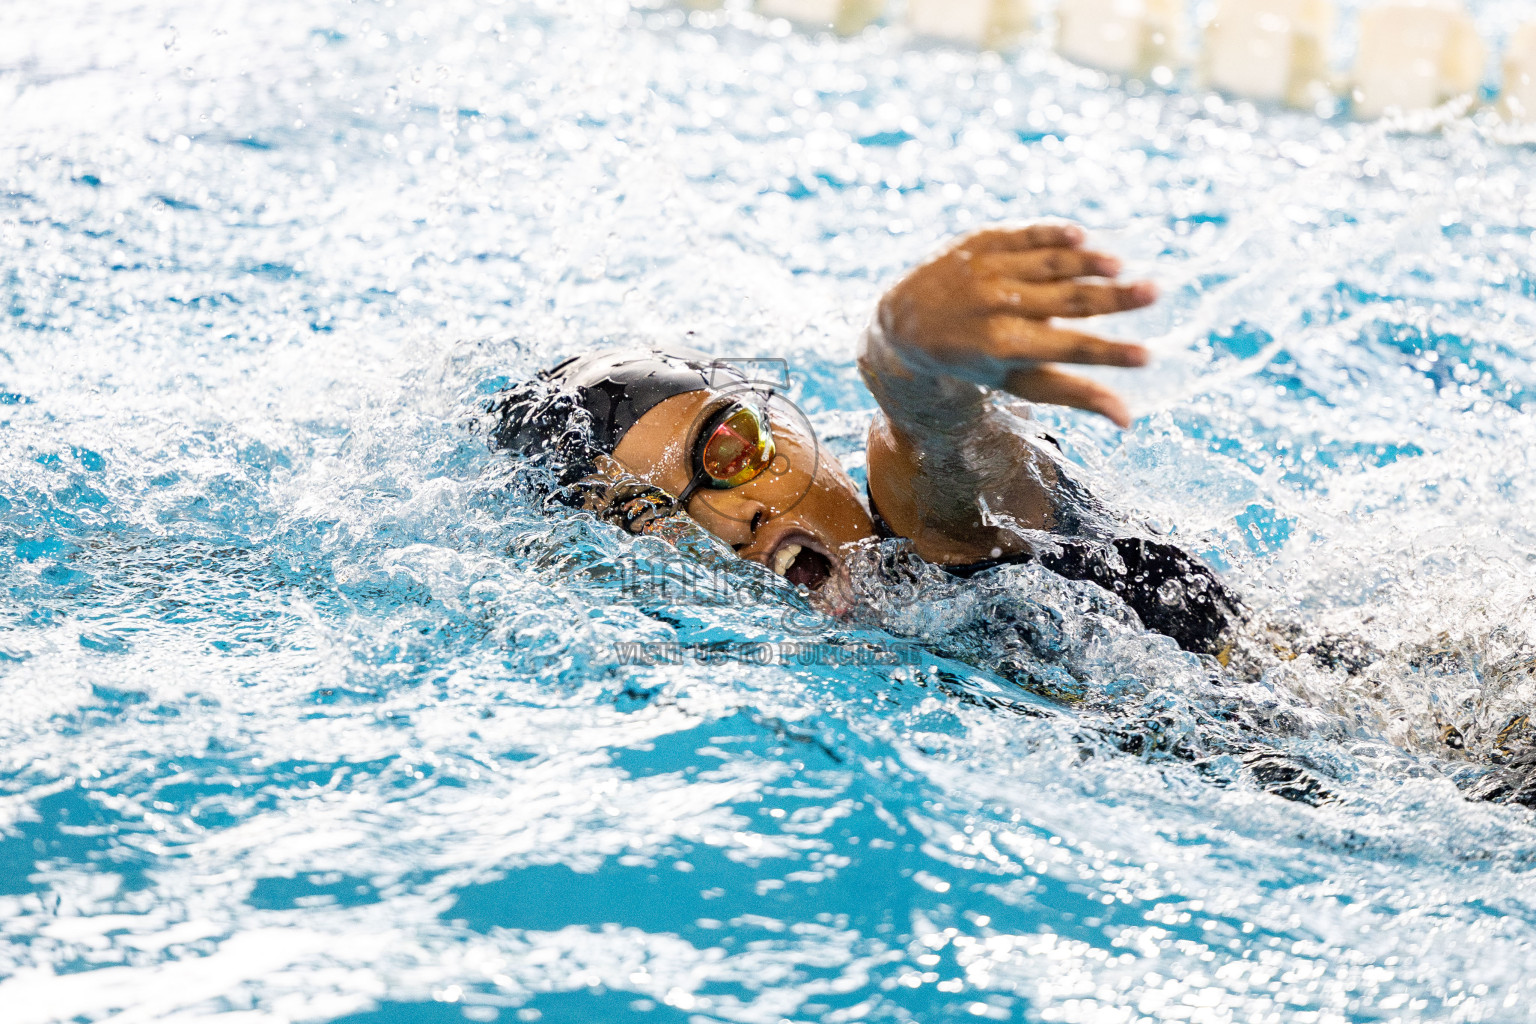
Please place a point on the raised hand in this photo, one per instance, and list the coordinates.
(982, 312)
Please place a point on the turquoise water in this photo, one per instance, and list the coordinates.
(306, 715)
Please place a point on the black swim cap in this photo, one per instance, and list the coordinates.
(583, 407)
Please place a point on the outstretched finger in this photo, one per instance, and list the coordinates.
(1018, 339)
(1035, 236)
(1067, 298)
(1049, 264)
(1048, 384)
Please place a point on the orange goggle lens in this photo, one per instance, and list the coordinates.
(738, 449)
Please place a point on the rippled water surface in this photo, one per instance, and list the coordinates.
(307, 715)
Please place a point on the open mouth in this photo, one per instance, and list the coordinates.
(801, 565)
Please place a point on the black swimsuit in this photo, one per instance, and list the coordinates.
(1171, 591)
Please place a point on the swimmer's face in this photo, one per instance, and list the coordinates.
(804, 500)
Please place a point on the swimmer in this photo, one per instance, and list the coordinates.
(954, 464)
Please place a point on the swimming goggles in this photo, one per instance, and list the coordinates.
(734, 447)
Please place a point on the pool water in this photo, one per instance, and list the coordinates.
(308, 713)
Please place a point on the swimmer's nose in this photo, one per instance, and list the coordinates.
(730, 515)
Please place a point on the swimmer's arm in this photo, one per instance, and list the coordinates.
(949, 466)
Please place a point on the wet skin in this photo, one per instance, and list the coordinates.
(948, 466)
(805, 497)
